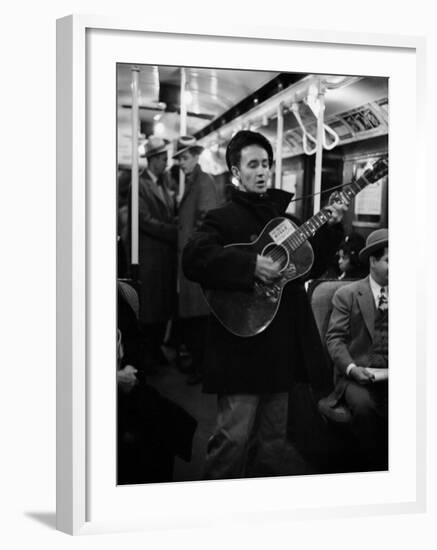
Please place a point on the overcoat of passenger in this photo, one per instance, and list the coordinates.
(289, 349)
(200, 196)
(157, 251)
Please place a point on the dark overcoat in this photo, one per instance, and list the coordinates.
(289, 349)
(200, 196)
(157, 251)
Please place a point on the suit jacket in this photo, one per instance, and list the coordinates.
(350, 333)
(157, 251)
(199, 197)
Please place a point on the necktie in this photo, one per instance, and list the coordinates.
(382, 300)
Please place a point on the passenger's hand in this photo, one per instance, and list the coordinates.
(361, 375)
(338, 205)
(266, 269)
(126, 378)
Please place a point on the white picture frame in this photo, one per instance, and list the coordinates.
(80, 303)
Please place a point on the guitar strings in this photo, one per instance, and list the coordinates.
(301, 234)
(278, 251)
(295, 238)
(298, 238)
(303, 197)
(352, 182)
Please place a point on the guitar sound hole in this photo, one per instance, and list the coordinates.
(278, 253)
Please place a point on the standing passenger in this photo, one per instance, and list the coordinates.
(252, 376)
(199, 197)
(157, 252)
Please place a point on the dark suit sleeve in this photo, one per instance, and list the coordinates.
(166, 232)
(207, 261)
(207, 199)
(130, 333)
(338, 333)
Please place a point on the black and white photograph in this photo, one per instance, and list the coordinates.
(252, 273)
(198, 203)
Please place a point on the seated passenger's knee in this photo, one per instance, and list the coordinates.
(364, 407)
(360, 401)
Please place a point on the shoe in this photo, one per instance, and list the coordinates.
(338, 414)
(161, 358)
(186, 367)
(194, 378)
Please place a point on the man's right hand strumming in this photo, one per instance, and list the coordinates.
(266, 269)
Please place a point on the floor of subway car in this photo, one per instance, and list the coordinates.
(172, 383)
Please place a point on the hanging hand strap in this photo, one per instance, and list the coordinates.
(306, 137)
(335, 138)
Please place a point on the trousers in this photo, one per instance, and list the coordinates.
(369, 408)
(249, 438)
(194, 334)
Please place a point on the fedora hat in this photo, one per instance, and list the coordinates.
(155, 146)
(187, 143)
(376, 240)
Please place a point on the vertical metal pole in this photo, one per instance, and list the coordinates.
(135, 177)
(183, 122)
(279, 141)
(319, 151)
(182, 130)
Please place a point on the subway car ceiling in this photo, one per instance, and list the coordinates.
(219, 102)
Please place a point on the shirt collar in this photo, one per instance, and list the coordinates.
(376, 289)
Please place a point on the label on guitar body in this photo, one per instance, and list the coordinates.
(282, 231)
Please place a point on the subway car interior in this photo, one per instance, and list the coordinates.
(326, 132)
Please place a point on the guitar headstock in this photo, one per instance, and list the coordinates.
(378, 170)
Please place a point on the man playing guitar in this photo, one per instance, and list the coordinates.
(252, 374)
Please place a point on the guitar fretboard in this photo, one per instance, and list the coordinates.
(311, 226)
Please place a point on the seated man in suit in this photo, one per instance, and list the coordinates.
(151, 429)
(357, 341)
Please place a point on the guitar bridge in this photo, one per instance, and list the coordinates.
(290, 270)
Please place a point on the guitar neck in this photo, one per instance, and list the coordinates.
(311, 226)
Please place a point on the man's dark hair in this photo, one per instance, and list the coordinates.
(351, 246)
(243, 139)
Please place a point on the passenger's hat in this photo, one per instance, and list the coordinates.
(187, 143)
(155, 146)
(376, 240)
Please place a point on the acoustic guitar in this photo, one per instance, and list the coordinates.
(248, 312)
